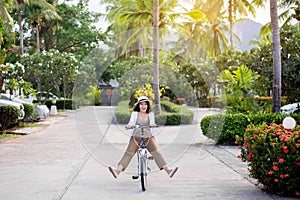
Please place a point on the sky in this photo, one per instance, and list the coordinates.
(262, 15)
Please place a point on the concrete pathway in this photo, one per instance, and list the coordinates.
(68, 160)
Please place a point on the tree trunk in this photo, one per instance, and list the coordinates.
(47, 36)
(276, 93)
(21, 29)
(38, 45)
(231, 22)
(140, 44)
(156, 56)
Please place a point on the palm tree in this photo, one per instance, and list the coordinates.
(276, 57)
(241, 7)
(134, 20)
(18, 4)
(5, 6)
(156, 56)
(291, 12)
(203, 31)
(191, 42)
(128, 17)
(276, 92)
(38, 16)
(137, 16)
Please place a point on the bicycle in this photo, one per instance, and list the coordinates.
(143, 158)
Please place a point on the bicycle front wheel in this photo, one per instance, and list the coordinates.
(143, 173)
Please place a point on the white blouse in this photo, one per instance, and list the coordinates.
(134, 117)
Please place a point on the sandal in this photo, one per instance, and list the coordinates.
(113, 172)
(172, 172)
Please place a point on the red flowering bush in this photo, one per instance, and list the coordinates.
(272, 153)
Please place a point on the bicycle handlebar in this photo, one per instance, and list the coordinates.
(141, 127)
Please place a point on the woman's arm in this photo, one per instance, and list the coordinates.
(152, 119)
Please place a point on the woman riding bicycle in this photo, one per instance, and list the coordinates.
(142, 116)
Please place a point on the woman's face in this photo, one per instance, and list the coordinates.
(143, 106)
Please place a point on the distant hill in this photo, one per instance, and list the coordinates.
(246, 30)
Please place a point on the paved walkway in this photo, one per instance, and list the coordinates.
(69, 160)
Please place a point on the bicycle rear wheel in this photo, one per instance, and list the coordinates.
(143, 173)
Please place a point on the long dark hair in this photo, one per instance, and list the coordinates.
(137, 107)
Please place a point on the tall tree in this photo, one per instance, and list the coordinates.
(78, 34)
(241, 7)
(132, 20)
(18, 5)
(276, 88)
(276, 93)
(290, 13)
(38, 17)
(203, 33)
(156, 56)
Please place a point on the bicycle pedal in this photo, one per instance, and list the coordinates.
(150, 158)
(135, 177)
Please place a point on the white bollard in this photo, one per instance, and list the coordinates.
(53, 110)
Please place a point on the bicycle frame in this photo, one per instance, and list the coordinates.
(143, 158)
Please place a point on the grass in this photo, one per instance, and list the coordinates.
(8, 136)
(30, 124)
(5, 135)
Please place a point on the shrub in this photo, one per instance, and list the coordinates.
(227, 128)
(122, 113)
(8, 117)
(272, 153)
(93, 96)
(28, 109)
(224, 128)
(61, 104)
(172, 115)
(175, 114)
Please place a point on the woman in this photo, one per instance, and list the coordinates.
(142, 116)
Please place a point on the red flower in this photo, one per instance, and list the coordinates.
(270, 172)
(246, 145)
(287, 138)
(275, 168)
(286, 175)
(281, 160)
(276, 180)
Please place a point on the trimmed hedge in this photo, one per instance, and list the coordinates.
(70, 104)
(9, 117)
(28, 109)
(226, 129)
(172, 114)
